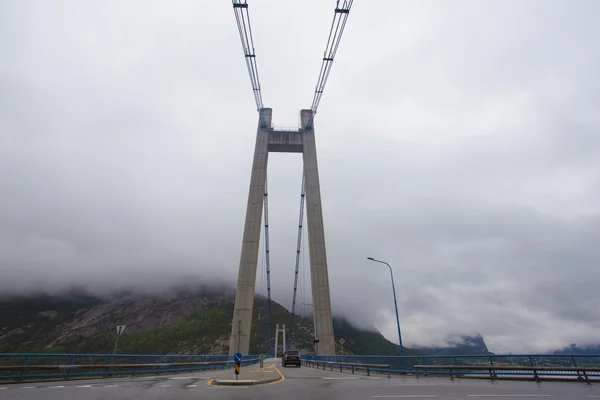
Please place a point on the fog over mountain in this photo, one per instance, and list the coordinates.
(457, 140)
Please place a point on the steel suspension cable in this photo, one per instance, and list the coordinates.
(267, 259)
(298, 249)
(242, 17)
(338, 24)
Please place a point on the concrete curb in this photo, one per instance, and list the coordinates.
(229, 382)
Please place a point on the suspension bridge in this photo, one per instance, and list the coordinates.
(272, 140)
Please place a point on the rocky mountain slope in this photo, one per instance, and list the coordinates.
(183, 321)
(459, 346)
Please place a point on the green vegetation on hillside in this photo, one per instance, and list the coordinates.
(23, 315)
(198, 332)
(24, 329)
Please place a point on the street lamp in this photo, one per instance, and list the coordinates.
(395, 305)
(316, 327)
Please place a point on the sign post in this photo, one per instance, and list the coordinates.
(237, 358)
(120, 329)
(342, 341)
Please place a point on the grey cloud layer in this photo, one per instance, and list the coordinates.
(458, 142)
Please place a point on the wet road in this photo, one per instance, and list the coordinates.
(298, 383)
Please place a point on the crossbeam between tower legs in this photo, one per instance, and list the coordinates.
(302, 141)
(244, 296)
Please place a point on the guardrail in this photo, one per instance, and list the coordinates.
(352, 366)
(582, 372)
(66, 366)
(407, 364)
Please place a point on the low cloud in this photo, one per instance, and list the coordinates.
(463, 152)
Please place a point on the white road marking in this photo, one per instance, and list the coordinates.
(593, 395)
(165, 385)
(110, 385)
(2, 388)
(349, 378)
(86, 386)
(191, 386)
(29, 387)
(414, 384)
(182, 377)
(55, 387)
(406, 396)
(510, 395)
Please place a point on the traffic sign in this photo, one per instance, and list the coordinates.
(342, 341)
(237, 357)
(120, 329)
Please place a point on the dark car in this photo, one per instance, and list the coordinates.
(291, 357)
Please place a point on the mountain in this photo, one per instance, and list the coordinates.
(365, 342)
(185, 320)
(573, 349)
(460, 345)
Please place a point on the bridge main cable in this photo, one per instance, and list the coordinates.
(338, 24)
(242, 17)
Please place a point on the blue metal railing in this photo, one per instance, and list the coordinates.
(529, 360)
(148, 363)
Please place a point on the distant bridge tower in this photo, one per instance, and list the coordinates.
(284, 348)
(269, 140)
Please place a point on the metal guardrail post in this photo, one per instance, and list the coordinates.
(586, 377)
(22, 371)
(69, 370)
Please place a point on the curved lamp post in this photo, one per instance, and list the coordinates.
(395, 305)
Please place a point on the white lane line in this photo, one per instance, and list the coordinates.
(191, 386)
(110, 385)
(56, 387)
(593, 395)
(414, 384)
(406, 396)
(510, 395)
(165, 385)
(29, 387)
(86, 386)
(2, 388)
(343, 379)
(181, 377)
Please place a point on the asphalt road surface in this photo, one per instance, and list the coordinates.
(299, 383)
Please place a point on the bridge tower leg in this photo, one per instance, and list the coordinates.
(244, 295)
(270, 140)
(319, 276)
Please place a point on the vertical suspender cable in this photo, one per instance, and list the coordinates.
(298, 249)
(267, 262)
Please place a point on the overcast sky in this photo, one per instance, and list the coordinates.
(457, 140)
